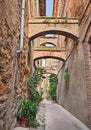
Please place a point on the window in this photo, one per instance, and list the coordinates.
(43, 63)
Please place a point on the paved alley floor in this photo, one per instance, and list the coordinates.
(56, 117)
(21, 128)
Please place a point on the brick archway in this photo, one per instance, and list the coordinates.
(53, 57)
(38, 27)
(59, 32)
(48, 57)
(53, 53)
(48, 43)
(52, 40)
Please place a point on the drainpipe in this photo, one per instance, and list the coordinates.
(22, 26)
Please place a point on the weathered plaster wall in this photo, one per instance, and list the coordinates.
(87, 55)
(73, 95)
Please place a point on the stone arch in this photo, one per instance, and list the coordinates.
(48, 43)
(53, 57)
(59, 32)
(44, 39)
(46, 57)
(54, 53)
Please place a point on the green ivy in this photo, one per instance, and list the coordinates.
(66, 75)
(35, 96)
(28, 109)
(52, 87)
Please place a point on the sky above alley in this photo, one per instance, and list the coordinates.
(49, 7)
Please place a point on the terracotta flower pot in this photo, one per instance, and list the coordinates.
(54, 101)
(23, 122)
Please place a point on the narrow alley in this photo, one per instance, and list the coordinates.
(45, 64)
(57, 118)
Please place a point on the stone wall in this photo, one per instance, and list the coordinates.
(69, 45)
(72, 95)
(13, 66)
(42, 7)
(77, 98)
(74, 8)
(87, 55)
(55, 8)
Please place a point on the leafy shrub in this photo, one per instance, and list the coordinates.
(35, 96)
(36, 78)
(34, 123)
(27, 110)
(52, 87)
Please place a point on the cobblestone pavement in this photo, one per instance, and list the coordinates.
(52, 116)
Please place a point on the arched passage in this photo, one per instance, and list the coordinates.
(66, 27)
(44, 39)
(53, 57)
(44, 44)
(46, 57)
(53, 53)
(59, 32)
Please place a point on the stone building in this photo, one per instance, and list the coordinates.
(16, 59)
(13, 65)
(76, 98)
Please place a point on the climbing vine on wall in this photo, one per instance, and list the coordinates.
(28, 108)
(66, 77)
(33, 82)
(52, 86)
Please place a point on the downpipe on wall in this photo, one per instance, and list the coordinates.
(22, 27)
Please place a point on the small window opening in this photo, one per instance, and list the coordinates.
(43, 63)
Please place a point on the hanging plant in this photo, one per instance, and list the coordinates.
(66, 75)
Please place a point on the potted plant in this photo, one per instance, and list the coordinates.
(54, 98)
(23, 122)
(27, 113)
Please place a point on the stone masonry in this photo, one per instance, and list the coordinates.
(12, 68)
(55, 53)
(9, 32)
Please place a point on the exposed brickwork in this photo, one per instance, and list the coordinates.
(69, 45)
(39, 26)
(60, 54)
(44, 40)
(55, 8)
(9, 31)
(12, 77)
(14, 68)
(42, 7)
